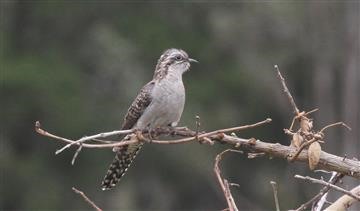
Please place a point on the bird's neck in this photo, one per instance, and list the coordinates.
(174, 76)
(168, 74)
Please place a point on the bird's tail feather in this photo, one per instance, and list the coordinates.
(123, 159)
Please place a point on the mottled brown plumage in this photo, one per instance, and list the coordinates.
(141, 102)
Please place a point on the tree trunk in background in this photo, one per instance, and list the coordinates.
(351, 88)
(322, 45)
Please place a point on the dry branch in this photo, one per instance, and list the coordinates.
(344, 202)
(274, 188)
(323, 191)
(286, 90)
(322, 182)
(82, 194)
(323, 199)
(224, 184)
(324, 161)
(327, 161)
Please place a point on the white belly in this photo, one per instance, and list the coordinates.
(166, 107)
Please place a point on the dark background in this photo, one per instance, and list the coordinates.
(76, 67)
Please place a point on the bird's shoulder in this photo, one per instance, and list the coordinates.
(138, 106)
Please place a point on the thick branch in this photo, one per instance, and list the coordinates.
(327, 161)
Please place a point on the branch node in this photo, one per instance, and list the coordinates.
(252, 141)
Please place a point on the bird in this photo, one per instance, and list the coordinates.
(159, 103)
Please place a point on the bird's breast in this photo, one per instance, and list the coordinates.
(168, 99)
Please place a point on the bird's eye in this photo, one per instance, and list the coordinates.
(178, 57)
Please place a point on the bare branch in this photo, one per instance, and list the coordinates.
(100, 135)
(324, 190)
(327, 161)
(43, 132)
(224, 184)
(320, 203)
(216, 133)
(82, 194)
(123, 143)
(286, 90)
(274, 188)
(76, 154)
(335, 124)
(322, 182)
(344, 202)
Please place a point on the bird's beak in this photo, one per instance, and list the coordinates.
(193, 60)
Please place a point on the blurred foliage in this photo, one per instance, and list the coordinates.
(76, 66)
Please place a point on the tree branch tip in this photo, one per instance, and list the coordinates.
(335, 124)
(58, 151)
(346, 126)
(234, 184)
(312, 111)
(37, 125)
(86, 199)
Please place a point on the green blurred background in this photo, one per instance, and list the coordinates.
(76, 67)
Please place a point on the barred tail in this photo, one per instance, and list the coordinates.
(123, 159)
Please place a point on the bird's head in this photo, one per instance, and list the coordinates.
(173, 60)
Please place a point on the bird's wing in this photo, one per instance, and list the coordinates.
(137, 108)
(126, 154)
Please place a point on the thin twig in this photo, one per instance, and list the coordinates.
(197, 127)
(76, 154)
(313, 180)
(344, 202)
(123, 143)
(224, 184)
(274, 188)
(104, 141)
(335, 124)
(320, 203)
(286, 90)
(299, 116)
(43, 132)
(216, 132)
(82, 194)
(234, 184)
(311, 111)
(100, 135)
